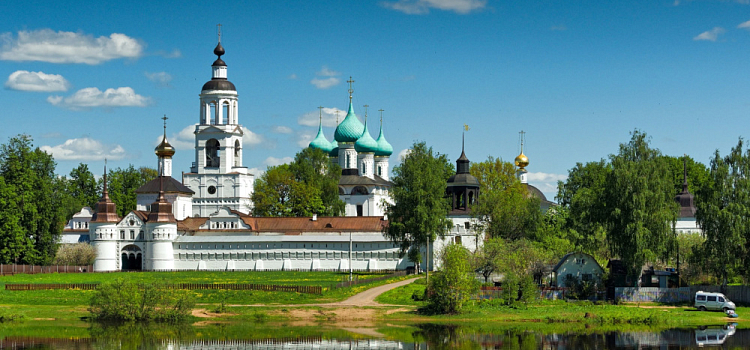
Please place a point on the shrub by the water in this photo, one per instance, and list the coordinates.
(454, 284)
(122, 300)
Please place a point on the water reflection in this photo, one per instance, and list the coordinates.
(418, 337)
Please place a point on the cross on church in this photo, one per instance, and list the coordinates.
(218, 31)
(321, 113)
(164, 118)
(350, 81)
(381, 115)
(366, 106)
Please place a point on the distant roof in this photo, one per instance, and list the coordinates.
(170, 186)
(296, 225)
(565, 258)
(363, 180)
(535, 192)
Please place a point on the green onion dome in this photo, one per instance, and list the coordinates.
(334, 149)
(321, 142)
(384, 148)
(366, 143)
(351, 129)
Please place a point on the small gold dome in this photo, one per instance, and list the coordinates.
(164, 149)
(522, 160)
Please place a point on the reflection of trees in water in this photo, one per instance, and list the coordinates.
(137, 336)
(439, 336)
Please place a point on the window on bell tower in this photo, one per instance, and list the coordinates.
(212, 153)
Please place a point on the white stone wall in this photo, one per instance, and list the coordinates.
(687, 225)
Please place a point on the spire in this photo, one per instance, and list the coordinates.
(684, 175)
(161, 210)
(462, 163)
(106, 210)
(522, 161)
(320, 141)
(685, 198)
(384, 148)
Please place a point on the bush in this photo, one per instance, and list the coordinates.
(581, 290)
(529, 290)
(510, 289)
(122, 300)
(454, 284)
(78, 254)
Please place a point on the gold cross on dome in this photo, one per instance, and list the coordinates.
(164, 118)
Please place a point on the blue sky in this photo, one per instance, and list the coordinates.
(89, 80)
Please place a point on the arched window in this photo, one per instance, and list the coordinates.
(225, 113)
(359, 190)
(341, 191)
(237, 153)
(212, 153)
(380, 170)
(212, 112)
(348, 161)
(364, 168)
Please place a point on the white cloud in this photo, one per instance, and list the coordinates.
(46, 45)
(329, 117)
(280, 129)
(85, 149)
(292, 76)
(545, 177)
(36, 81)
(403, 154)
(710, 35)
(93, 97)
(258, 172)
(251, 139)
(744, 25)
(304, 139)
(273, 161)
(162, 79)
(174, 54)
(419, 7)
(329, 78)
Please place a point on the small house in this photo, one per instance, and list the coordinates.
(579, 265)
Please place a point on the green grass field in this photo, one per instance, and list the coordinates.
(71, 304)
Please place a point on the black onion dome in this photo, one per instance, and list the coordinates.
(219, 84)
(219, 50)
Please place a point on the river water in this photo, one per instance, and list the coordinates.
(421, 336)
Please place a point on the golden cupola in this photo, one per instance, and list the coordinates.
(522, 160)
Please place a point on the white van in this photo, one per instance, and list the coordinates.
(712, 301)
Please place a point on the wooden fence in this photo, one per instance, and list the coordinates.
(31, 269)
(190, 286)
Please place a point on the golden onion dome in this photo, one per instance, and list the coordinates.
(522, 160)
(164, 149)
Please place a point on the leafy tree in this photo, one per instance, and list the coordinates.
(722, 213)
(123, 183)
(122, 300)
(454, 284)
(29, 173)
(78, 254)
(489, 258)
(307, 186)
(639, 204)
(82, 186)
(504, 209)
(420, 207)
(697, 173)
(278, 193)
(14, 242)
(580, 196)
(314, 168)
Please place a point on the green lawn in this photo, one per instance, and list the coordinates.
(71, 304)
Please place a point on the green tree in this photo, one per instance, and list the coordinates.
(30, 174)
(419, 209)
(314, 168)
(82, 186)
(122, 184)
(14, 242)
(454, 284)
(638, 200)
(697, 173)
(722, 213)
(504, 208)
(78, 254)
(580, 196)
(489, 258)
(278, 193)
(307, 186)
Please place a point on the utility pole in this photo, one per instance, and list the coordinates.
(427, 263)
(350, 256)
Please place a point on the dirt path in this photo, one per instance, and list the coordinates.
(367, 298)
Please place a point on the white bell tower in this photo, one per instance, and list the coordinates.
(217, 176)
